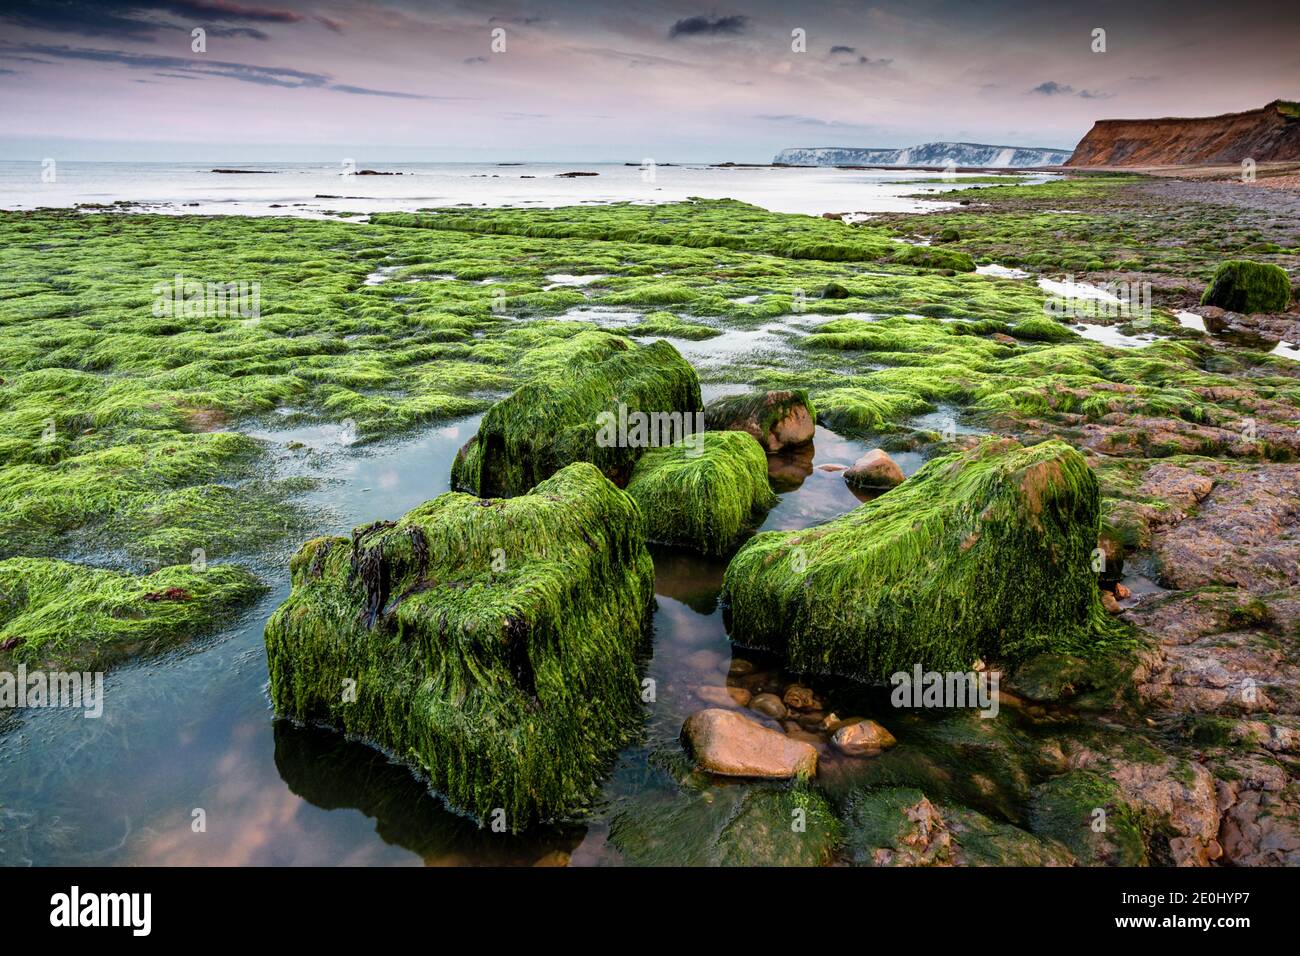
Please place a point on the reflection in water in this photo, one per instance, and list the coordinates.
(334, 773)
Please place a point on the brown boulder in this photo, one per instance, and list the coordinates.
(731, 745)
(862, 737)
(778, 419)
(875, 469)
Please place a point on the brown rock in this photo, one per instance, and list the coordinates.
(798, 697)
(727, 743)
(875, 469)
(777, 419)
(862, 738)
(1245, 533)
(716, 696)
(769, 705)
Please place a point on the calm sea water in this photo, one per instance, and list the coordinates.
(313, 189)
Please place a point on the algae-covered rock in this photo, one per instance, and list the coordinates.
(778, 419)
(489, 642)
(727, 826)
(65, 616)
(602, 400)
(705, 493)
(901, 827)
(1241, 285)
(981, 554)
(1088, 813)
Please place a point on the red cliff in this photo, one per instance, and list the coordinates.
(1266, 135)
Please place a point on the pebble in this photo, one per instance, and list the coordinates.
(769, 705)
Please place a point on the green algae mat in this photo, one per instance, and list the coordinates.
(126, 427)
(140, 509)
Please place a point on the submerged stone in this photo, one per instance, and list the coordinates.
(983, 554)
(861, 738)
(727, 826)
(1089, 813)
(778, 419)
(600, 399)
(1240, 285)
(730, 744)
(705, 493)
(901, 827)
(491, 643)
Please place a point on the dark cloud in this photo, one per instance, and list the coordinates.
(366, 91)
(185, 68)
(1052, 88)
(141, 20)
(245, 72)
(708, 26)
(474, 60)
(849, 56)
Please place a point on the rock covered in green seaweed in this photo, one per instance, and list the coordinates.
(901, 827)
(595, 397)
(68, 616)
(1241, 285)
(1088, 813)
(490, 642)
(981, 554)
(777, 419)
(704, 493)
(727, 826)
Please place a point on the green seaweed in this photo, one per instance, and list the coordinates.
(704, 493)
(573, 408)
(1241, 285)
(981, 554)
(64, 616)
(491, 643)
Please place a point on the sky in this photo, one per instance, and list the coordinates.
(620, 80)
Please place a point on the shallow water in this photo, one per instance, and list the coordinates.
(193, 729)
(319, 189)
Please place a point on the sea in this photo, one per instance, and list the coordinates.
(327, 188)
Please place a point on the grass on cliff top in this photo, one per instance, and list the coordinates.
(492, 642)
(983, 554)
